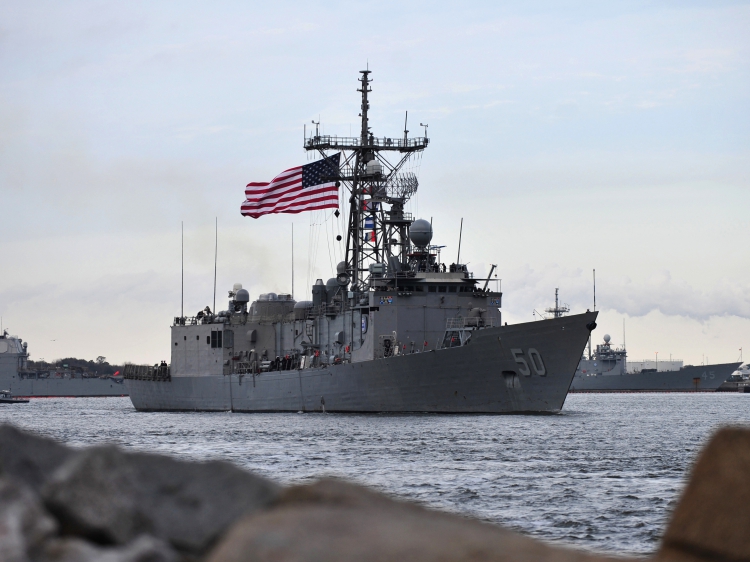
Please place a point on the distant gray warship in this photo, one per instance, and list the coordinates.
(395, 331)
(22, 382)
(606, 370)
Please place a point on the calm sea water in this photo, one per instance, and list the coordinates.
(604, 474)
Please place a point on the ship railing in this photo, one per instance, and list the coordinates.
(323, 310)
(147, 373)
(194, 320)
(462, 323)
(384, 143)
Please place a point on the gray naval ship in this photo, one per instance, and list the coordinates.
(396, 330)
(22, 382)
(606, 370)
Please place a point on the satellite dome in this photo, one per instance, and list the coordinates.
(242, 295)
(341, 267)
(606, 338)
(420, 232)
(331, 283)
(237, 287)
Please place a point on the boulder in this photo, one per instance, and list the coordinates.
(335, 521)
(24, 524)
(712, 518)
(110, 497)
(142, 549)
(28, 457)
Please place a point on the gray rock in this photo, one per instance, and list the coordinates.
(339, 522)
(28, 457)
(110, 497)
(712, 518)
(142, 549)
(24, 524)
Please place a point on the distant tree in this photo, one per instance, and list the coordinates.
(101, 359)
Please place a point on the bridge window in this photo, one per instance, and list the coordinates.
(441, 289)
(432, 289)
(451, 289)
(216, 337)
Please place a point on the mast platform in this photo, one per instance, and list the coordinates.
(327, 142)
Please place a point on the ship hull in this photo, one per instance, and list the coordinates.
(63, 388)
(701, 378)
(59, 387)
(484, 376)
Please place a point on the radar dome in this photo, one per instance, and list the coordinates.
(420, 232)
(237, 287)
(242, 296)
(606, 338)
(341, 267)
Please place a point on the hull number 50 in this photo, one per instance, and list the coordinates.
(534, 363)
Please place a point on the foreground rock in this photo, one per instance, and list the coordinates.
(29, 458)
(142, 549)
(24, 524)
(712, 519)
(336, 521)
(110, 497)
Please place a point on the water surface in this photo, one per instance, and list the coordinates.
(604, 474)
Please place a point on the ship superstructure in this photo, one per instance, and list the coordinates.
(396, 329)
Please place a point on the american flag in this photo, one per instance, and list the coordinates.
(305, 188)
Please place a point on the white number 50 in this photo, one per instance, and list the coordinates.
(536, 362)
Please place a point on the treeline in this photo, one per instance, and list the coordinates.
(99, 366)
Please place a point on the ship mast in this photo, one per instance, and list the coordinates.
(378, 227)
(559, 309)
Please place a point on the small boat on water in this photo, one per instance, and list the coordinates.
(7, 398)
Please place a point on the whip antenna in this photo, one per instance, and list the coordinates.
(182, 270)
(460, 233)
(216, 253)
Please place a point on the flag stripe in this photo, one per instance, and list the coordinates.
(291, 201)
(295, 194)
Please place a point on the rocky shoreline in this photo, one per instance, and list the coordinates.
(103, 503)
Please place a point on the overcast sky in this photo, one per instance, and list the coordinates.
(568, 135)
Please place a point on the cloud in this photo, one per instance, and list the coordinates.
(529, 289)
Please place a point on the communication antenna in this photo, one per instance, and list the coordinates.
(292, 261)
(460, 234)
(425, 125)
(595, 290)
(406, 132)
(182, 270)
(216, 254)
(623, 334)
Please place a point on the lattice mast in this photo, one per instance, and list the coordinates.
(560, 309)
(378, 227)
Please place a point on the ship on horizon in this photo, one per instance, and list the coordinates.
(22, 381)
(607, 370)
